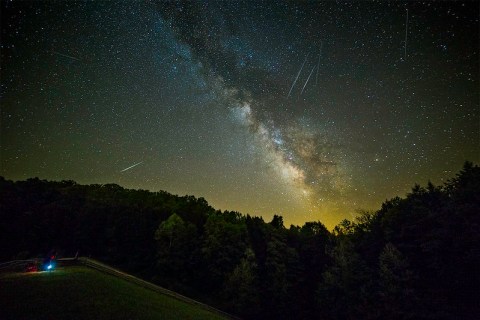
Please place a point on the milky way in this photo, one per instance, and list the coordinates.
(311, 110)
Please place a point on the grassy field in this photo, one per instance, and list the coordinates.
(83, 293)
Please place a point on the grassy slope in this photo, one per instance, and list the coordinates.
(82, 293)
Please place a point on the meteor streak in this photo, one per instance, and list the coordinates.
(298, 75)
(136, 164)
(406, 29)
(66, 56)
(307, 79)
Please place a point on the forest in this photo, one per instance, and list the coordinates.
(416, 257)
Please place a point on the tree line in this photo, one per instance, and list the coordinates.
(416, 257)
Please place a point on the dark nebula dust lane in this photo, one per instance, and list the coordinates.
(310, 110)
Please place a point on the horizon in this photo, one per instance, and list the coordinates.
(265, 216)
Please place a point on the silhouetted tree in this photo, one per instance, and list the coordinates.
(177, 251)
(241, 286)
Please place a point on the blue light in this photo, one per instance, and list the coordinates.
(49, 267)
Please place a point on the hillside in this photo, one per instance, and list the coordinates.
(83, 293)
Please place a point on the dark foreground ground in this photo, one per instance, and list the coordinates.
(83, 293)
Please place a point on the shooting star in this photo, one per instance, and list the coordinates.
(66, 56)
(298, 75)
(406, 30)
(307, 79)
(136, 164)
(318, 64)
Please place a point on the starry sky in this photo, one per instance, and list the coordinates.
(310, 110)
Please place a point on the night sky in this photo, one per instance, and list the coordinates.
(310, 110)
